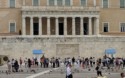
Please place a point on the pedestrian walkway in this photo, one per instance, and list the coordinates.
(58, 73)
(81, 73)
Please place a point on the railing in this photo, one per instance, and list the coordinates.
(59, 8)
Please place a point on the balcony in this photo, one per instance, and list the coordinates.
(59, 8)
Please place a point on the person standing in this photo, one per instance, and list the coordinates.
(16, 65)
(26, 62)
(21, 62)
(12, 63)
(68, 71)
(9, 66)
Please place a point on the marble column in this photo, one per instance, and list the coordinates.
(97, 25)
(23, 2)
(65, 25)
(90, 25)
(23, 25)
(81, 25)
(55, 2)
(31, 25)
(48, 25)
(94, 2)
(57, 26)
(40, 25)
(73, 26)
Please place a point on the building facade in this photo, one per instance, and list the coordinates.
(61, 20)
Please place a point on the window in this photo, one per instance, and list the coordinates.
(59, 2)
(67, 3)
(122, 3)
(35, 2)
(12, 27)
(51, 2)
(83, 3)
(105, 4)
(122, 27)
(105, 27)
(12, 3)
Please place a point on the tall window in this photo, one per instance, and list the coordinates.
(122, 3)
(51, 2)
(35, 2)
(12, 3)
(83, 3)
(12, 27)
(59, 2)
(105, 3)
(67, 2)
(122, 27)
(105, 27)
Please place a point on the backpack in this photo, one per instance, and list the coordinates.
(97, 68)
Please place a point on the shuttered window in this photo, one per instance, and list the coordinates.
(59, 2)
(51, 2)
(12, 3)
(105, 3)
(67, 2)
(122, 3)
(122, 27)
(35, 2)
(12, 27)
(83, 2)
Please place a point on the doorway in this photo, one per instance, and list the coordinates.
(61, 29)
(85, 27)
(35, 28)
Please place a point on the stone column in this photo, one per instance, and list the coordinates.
(97, 25)
(48, 25)
(90, 25)
(40, 26)
(81, 24)
(65, 25)
(23, 2)
(73, 26)
(57, 26)
(31, 25)
(23, 25)
(94, 2)
(63, 2)
(55, 2)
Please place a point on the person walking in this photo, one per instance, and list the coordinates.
(68, 71)
(99, 70)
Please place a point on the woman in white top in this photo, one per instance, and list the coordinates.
(68, 71)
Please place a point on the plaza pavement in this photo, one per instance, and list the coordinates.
(57, 73)
(83, 73)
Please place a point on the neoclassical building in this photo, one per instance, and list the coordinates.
(62, 27)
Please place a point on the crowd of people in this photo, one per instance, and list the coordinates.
(110, 64)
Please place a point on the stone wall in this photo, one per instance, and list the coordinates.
(16, 47)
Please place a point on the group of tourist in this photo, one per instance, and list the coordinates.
(111, 64)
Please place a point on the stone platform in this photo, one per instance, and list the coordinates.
(83, 46)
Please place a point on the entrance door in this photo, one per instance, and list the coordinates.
(85, 27)
(61, 29)
(35, 28)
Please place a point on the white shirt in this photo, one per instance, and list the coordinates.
(68, 71)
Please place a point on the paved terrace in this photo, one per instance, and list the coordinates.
(57, 73)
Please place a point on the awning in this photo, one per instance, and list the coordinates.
(110, 51)
(37, 52)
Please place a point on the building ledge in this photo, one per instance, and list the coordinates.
(59, 8)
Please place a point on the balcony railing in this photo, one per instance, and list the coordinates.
(59, 8)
